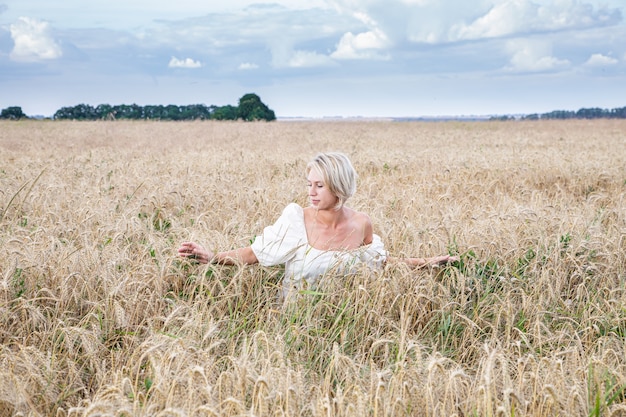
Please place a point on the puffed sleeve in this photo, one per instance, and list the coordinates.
(374, 255)
(280, 241)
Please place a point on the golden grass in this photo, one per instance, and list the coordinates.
(99, 317)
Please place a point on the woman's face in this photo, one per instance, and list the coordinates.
(319, 195)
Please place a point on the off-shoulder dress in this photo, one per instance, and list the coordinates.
(286, 242)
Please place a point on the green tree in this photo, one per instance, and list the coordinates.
(125, 111)
(252, 108)
(592, 113)
(502, 118)
(63, 113)
(227, 112)
(78, 112)
(559, 114)
(84, 112)
(195, 112)
(173, 112)
(12, 113)
(618, 113)
(104, 112)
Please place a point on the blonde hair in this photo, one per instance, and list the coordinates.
(338, 174)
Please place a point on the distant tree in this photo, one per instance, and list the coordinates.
(12, 113)
(618, 113)
(84, 112)
(62, 113)
(502, 118)
(104, 112)
(593, 113)
(195, 112)
(151, 112)
(131, 112)
(583, 113)
(559, 114)
(252, 108)
(172, 112)
(227, 112)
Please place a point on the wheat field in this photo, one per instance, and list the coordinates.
(98, 317)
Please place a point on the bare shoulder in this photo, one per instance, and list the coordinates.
(361, 221)
(357, 216)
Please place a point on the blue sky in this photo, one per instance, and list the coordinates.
(315, 58)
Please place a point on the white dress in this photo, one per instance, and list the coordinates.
(285, 242)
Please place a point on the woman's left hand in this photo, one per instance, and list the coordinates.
(443, 259)
(192, 250)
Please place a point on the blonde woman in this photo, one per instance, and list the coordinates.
(325, 236)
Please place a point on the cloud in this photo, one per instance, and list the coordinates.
(533, 56)
(366, 43)
(308, 59)
(33, 41)
(270, 36)
(435, 22)
(284, 56)
(361, 46)
(524, 16)
(248, 66)
(502, 20)
(599, 60)
(184, 63)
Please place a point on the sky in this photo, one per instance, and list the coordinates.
(316, 58)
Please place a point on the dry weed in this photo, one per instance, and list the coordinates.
(99, 317)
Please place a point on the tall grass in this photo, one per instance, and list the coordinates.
(99, 317)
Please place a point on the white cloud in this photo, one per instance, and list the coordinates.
(184, 63)
(283, 56)
(125, 14)
(416, 2)
(306, 59)
(524, 16)
(365, 18)
(599, 60)
(33, 41)
(313, 44)
(533, 56)
(503, 19)
(363, 45)
(436, 21)
(248, 66)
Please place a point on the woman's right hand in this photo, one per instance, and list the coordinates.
(192, 250)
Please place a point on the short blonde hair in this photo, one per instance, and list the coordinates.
(338, 174)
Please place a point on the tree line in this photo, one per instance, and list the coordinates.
(583, 113)
(250, 108)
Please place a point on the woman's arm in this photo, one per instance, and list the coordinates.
(192, 250)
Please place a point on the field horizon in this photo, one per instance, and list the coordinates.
(99, 317)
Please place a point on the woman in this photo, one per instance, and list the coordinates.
(326, 236)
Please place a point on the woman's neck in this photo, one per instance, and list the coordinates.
(329, 218)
